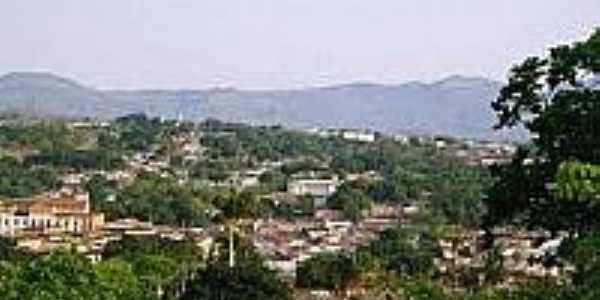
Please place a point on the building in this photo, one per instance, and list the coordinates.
(318, 188)
(359, 136)
(60, 212)
(402, 139)
(250, 178)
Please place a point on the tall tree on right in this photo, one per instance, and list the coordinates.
(552, 183)
(557, 99)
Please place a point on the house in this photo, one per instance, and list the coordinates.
(368, 175)
(320, 189)
(490, 160)
(440, 144)
(323, 133)
(358, 136)
(402, 139)
(250, 178)
(88, 124)
(64, 211)
(323, 215)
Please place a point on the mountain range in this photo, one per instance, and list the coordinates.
(456, 105)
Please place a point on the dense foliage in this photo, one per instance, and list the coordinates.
(243, 282)
(68, 277)
(554, 99)
(78, 160)
(18, 180)
(159, 199)
(329, 271)
(39, 135)
(247, 279)
(400, 252)
(551, 185)
(351, 198)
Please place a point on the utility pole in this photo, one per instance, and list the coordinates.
(231, 247)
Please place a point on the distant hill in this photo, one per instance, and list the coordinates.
(456, 105)
(48, 94)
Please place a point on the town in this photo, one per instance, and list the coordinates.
(295, 195)
(299, 150)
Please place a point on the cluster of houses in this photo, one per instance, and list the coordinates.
(286, 243)
(481, 153)
(65, 219)
(520, 254)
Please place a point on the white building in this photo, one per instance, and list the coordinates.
(402, 139)
(250, 178)
(319, 188)
(50, 212)
(359, 136)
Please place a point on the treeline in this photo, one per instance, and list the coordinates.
(36, 135)
(153, 198)
(135, 268)
(140, 268)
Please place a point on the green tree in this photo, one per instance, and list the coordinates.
(220, 282)
(553, 184)
(117, 277)
(406, 251)
(155, 272)
(57, 276)
(577, 181)
(460, 197)
(19, 180)
(101, 189)
(235, 207)
(330, 271)
(158, 263)
(248, 279)
(273, 180)
(9, 251)
(554, 99)
(352, 198)
(161, 200)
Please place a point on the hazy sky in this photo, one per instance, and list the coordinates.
(280, 43)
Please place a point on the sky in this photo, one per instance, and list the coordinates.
(277, 44)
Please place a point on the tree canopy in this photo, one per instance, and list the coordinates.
(553, 183)
(69, 277)
(557, 99)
